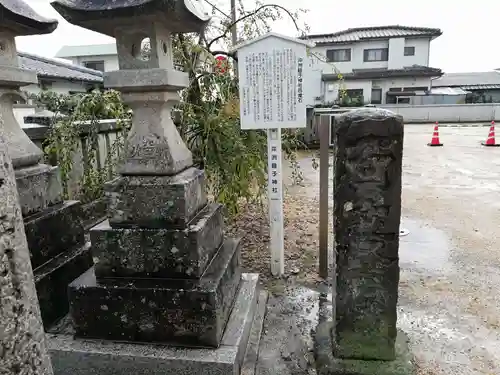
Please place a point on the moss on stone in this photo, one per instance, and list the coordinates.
(327, 364)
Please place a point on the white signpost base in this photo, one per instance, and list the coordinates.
(275, 196)
(271, 75)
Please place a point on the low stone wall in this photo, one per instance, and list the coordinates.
(23, 110)
(107, 133)
(456, 113)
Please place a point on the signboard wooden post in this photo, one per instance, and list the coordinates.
(271, 75)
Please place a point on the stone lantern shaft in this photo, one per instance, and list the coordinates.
(38, 184)
(23, 347)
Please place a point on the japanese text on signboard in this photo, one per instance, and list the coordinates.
(273, 86)
(274, 166)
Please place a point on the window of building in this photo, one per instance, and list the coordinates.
(409, 51)
(96, 65)
(338, 55)
(376, 96)
(351, 98)
(376, 54)
(354, 93)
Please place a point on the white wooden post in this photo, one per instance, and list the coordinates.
(271, 73)
(275, 196)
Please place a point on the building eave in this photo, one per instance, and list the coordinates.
(363, 34)
(388, 73)
(361, 40)
(66, 79)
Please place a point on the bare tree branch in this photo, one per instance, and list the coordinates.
(228, 29)
(228, 54)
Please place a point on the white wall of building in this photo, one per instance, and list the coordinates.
(320, 92)
(451, 113)
(59, 86)
(110, 61)
(331, 89)
(396, 60)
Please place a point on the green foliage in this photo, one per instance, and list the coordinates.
(78, 131)
(235, 161)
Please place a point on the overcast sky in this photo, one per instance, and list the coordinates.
(470, 40)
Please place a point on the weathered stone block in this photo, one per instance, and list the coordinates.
(52, 280)
(166, 253)
(327, 364)
(235, 355)
(39, 187)
(156, 201)
(177, 311)
(94, 212)
(367, 191)
(53, 231)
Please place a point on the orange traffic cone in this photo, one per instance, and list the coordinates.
(435, 137)
(491, 137)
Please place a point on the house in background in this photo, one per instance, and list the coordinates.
(102, 57)
(56, 76)
(59, 77)
(379, 65)
(481, 87)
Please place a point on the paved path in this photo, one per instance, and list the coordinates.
(450, 261)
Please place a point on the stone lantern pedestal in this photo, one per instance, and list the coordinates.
(53, 227)
(163, 272)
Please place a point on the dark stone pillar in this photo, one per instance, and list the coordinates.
(367, 200)
(53, 227)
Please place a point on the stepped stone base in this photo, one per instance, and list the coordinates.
(164, 253)
(243, 329)
(52, 279)
(38, 187)
(189, 312)
(56, 241)
(327, 364)
(156, 201)
(53, 231)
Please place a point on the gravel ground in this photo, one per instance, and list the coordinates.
(450, 262)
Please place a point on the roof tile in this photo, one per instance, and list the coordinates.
(46, 67)
(376, 32)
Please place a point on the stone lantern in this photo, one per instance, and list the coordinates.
(22, 336)
(163, 272)
(38, 184)
(53, 227)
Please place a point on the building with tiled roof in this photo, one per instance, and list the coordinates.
(377, 65)
(59, 76)
(103, 57)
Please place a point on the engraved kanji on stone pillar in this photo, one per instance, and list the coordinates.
(367, 210)
(38, 184)
(22, 346)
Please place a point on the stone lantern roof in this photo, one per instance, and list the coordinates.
(23, 20)
(182, 16)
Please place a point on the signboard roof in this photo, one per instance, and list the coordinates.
(268, 35)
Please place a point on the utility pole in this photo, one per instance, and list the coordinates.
(234, 31)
